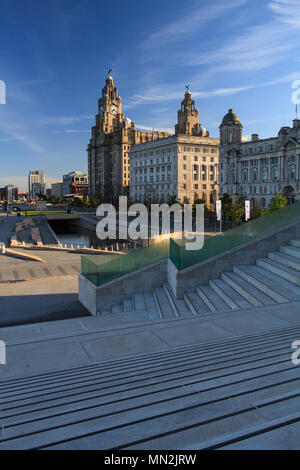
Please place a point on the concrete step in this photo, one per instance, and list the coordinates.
(212, 300)
(116, 308)
(290, 250)
(151, 306)
(179, 306)
(128, 305)
(269, 283)
(295, 243)
(196, 304)
(160, 400)
(228, 349)
(139, 301)
(287, 260)
(164, 403)
(163, 303)
(252, 295)
(281, 270)
(229, 295)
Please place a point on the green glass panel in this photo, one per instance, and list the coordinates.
(99, 271)
(244, 233)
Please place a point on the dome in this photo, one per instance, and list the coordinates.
(126, 121)
(231, 118)
(201, 130)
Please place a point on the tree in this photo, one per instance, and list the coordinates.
(278, 202)
(237, 210)
(256, 210)
(226, 205)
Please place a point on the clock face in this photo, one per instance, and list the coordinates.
(113, 109)
(101, 109)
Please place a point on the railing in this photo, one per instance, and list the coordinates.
(99, 271)
(102, 269)
(246, 232)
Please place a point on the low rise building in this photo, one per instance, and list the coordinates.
(73, 180)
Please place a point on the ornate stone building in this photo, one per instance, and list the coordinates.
(112, 137)
(184, 165)
(259, 168)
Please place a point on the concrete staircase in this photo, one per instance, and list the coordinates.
(240, 392)
(272, 280)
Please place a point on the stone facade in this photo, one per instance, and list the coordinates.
(112, 137)
(184, 165)
(259, 168)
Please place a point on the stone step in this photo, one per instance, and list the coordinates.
(161, 404)
(250, 293)
(269, 283)
(283, 271)
(227, 292)
(212, 300)
(128, 305)
(196, 304)
(116, 308)
(162, 408)
(287, 260)
(179, 306)
(73, 393)
(139, 301)
(163, 303)
(151, 306)
(295, 243)
(230, 346)
(214, 430)
(290, 250)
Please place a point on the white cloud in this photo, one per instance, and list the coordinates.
(63, 120)
(165, 93)
(287, 11)
(149, 128)
(72, 131)
(257, 48)
(190, 21)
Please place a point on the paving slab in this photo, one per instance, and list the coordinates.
(192, 333)
(122, 345)
(36, 356)
(251, 322)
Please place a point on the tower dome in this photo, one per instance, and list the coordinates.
(231, 118)
(201, 131)
(126, 121)
(231, 129)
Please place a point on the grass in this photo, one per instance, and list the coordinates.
(42, 212)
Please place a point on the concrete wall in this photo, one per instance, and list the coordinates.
(97, 299)
(188, 279)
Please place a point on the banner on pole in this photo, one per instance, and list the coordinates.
(219, 210)
(247, 210)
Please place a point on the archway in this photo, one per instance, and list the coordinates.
(289, 193)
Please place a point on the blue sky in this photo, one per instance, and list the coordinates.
(54, 57)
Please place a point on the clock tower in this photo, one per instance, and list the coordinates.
(109, 108)
(108, 151)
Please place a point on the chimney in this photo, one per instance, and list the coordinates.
(254, 137)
